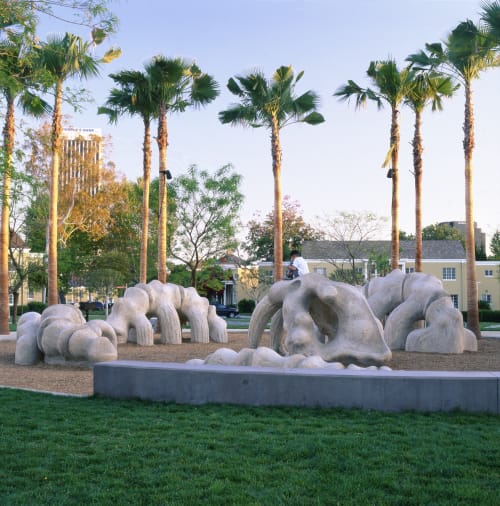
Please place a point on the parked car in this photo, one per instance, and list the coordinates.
(223, 310)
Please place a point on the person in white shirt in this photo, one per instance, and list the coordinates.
(298, 266)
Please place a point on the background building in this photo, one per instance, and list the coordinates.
(81, 159)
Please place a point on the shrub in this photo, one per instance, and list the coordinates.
(38, 307)
(483, 305)
(485, 316)
(246, 306)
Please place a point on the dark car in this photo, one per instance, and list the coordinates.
(223, 310)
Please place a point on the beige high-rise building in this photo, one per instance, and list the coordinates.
(81, 159)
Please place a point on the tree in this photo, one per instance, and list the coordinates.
(272, 103)
(468, 50)
(426, 88)
(391, 86)
(23, 14)
(16, 79)
(441, 232)
(352, 230)
(133, 96)
(176, 85)
(260, 238)
(495, 245)
(62, 58)
(206, 216)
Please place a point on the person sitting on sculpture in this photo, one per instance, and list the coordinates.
(297, 267)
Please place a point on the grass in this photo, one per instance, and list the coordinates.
(61, 450)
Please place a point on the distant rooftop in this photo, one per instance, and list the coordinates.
(432, 250)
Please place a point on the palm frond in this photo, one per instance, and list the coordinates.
(237, 114)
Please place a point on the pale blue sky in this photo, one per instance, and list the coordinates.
(332, 167)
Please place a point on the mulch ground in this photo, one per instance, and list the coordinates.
(76, 380)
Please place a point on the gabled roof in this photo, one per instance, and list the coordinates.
(16, 241)
(432, 250)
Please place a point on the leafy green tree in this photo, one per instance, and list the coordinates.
(272, 103)
(441, 232)
(206, 216)
(210, 280)
(495, 245)
(176, 85)
(133, 96)
(468, 50)
(391, 86)
(16, 81)
(260, 238)
(428, 88)
(62, 58)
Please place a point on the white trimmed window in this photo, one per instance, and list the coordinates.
(409, 270)
(486, 297)
(449, 273)
(320, 270)
(454, 299)
(488, 273)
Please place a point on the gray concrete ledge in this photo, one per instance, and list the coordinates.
(378, 390)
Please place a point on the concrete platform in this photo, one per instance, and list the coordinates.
(378, 390)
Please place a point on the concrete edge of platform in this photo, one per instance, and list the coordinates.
(377, 390)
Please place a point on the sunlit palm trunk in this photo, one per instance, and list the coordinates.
(278, 213)
(8, 143)
(395, 190)
(145, 201)
(162, 219)
(470, 252)
(417, 173)
(52, 288)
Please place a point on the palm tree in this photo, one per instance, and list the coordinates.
(176, 85)
(391, 86)
(272, 103)
(467, 51)
(62, 57)
(133, 97)
(16, 75)
(427, 88)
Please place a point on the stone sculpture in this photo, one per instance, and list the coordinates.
(61, 335)
(171, 304)
(312, 315)
(266, 357)
(402, 300)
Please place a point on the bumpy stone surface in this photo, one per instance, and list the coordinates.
(312, 315)
(405, 299)
(61, 335)
(171, 304)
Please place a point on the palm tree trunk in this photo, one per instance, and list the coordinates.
(417, 173)
(145, 201)
(470, 245)
(162, 218)
(8, 142)
(52, 289)
(395, 190)
(278, 199)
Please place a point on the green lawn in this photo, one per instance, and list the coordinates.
(59, 450)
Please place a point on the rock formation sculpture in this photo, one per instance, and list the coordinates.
(404, 299)
(171, 304)
(315, 316)
(61, 335)
(266, 357)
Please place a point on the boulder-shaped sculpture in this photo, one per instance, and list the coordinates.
(402, 300)
(312, 315)
(61, 335)
(171, 304)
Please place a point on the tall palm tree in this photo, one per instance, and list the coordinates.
(133, 96)
(176, 85)
(62, 57)
(427, 88)
(467, 51)
(272, 103)
(16, 76)
(391, 86)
